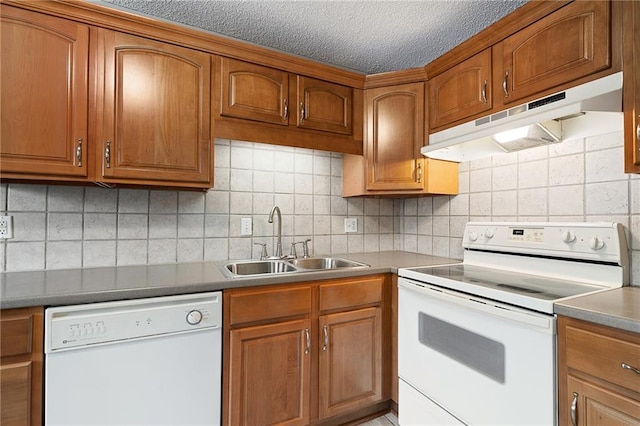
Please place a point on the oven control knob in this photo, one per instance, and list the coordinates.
(194, 317)
(568, 237)
(489, 233)
(596, 243)
(473, 236)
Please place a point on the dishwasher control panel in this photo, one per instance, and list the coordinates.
(70, 327)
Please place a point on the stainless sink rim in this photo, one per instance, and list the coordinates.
(228, 273)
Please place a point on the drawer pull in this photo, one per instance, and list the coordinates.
(325, 332)
(79, 152)
(505, 82)
(630, 367)
(574, 409)
(308, 341)
(484, 92)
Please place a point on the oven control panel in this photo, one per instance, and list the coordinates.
(601, 241)
(529, 235)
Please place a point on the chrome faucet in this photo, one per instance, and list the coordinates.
(278, 251)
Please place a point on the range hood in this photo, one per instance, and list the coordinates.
(589, 109)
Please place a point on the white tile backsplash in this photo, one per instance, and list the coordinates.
(58, 227)
(65, 199)
(574, 181)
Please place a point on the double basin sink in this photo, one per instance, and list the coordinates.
(245, 268)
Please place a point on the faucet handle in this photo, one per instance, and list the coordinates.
(292, 252)
(263, 253)
(305, 247)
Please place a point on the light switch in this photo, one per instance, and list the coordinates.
(246, 226)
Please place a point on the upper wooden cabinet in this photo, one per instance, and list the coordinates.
(548, 49)
(324, 106)
(571, 43)
(394, 133)
(150, 110)
(597, 383)
(21, 365)
(394, 136)
(43, 117)
(254, 92)
(631, 85)
(462, 91)
(263, 104)
(157, 112)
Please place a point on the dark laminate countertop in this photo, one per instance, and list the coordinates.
(78, 286)
(619, 308)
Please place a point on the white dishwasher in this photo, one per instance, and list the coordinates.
(154, 361)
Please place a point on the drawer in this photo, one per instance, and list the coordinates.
(351, 293)
(261, 305)
(602, 355)
(16, 332)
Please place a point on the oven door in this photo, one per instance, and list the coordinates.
(478, 361)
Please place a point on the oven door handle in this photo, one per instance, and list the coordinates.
(538, 321)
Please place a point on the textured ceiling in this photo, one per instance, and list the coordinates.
(368, 36)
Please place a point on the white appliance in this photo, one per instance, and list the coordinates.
(153, 361)
(593, 108)
(477, 339)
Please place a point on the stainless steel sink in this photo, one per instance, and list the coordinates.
(318, 263)
(247, 268)
(257, 267)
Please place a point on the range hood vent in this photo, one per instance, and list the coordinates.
(589, 109)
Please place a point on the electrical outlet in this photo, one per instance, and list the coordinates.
(6, 226)
(246, 226)
(350, 224)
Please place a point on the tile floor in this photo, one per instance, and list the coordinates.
(388, 419)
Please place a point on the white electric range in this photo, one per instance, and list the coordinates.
(477, 339)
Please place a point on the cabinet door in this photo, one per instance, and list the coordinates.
(631, 85)
(566, 45)
(324, 106)
(43, 75)
(592, 404)
(157, 120)
(394, 136)
(350, 364)
(461, 92)
(21, 357)
(254, 92)
(270, 370)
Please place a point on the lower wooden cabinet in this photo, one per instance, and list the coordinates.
(350, 371)
(597, 384)
(21, 363)
(305, 353)
(269, 374)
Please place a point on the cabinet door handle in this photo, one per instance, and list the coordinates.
(325, 332)
(638, 131)
(484, 92)
(107, 155)
(308, 341)
(303, 112)
(630, 367)
(419, 173)
(286, 110)
(574, 410)
(79, 152)
(504, 84)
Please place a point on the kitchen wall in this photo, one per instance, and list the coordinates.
(71, 226)
(580, 180)
(58, 227)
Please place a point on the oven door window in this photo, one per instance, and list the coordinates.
(480, 353)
